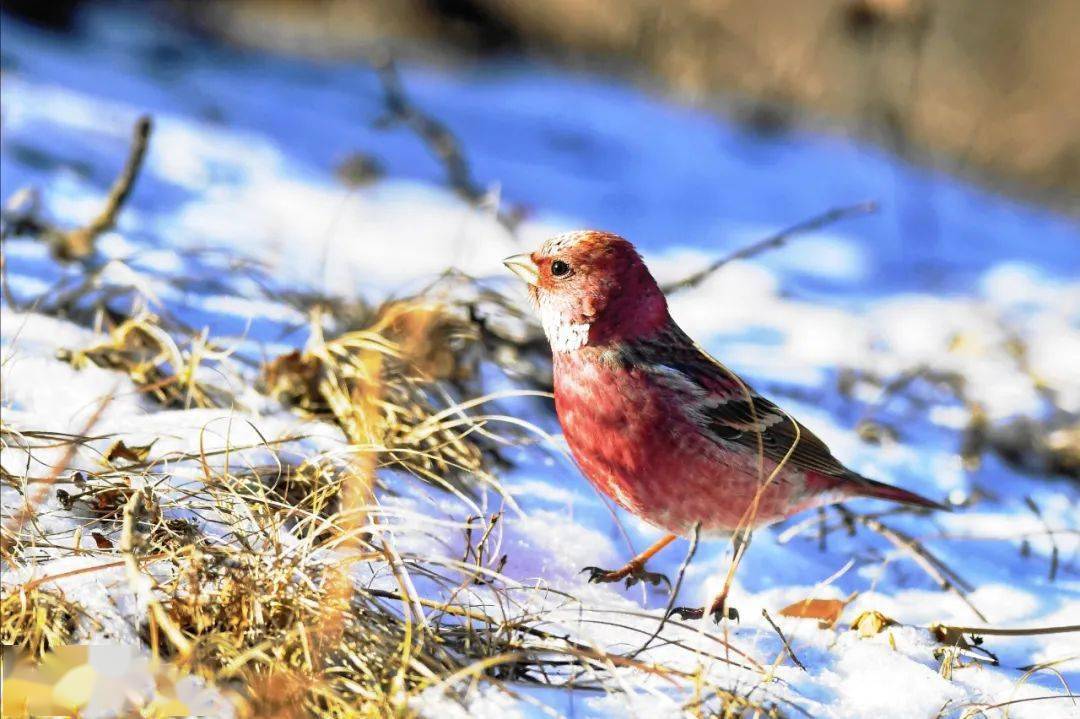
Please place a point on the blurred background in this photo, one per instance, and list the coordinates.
(986, 88)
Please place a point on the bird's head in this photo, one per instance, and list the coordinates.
(591, 288)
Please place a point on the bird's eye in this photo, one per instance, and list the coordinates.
(560, 268)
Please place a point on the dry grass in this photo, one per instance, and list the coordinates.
(298, 638)
(157, 364)
(36, 620)
(384, 386)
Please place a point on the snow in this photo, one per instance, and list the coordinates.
(941, 278)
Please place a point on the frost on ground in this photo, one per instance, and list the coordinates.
(932, 345)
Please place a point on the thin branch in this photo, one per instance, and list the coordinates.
(946, 629)
(128, 541)
(787, 646)
(78, 243)
(1049, 535)
(945, 577)
(774, 241)
(442, 143)
(35, 583)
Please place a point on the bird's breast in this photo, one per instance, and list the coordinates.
(625, 434)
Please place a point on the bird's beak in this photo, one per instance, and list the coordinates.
(523, 266)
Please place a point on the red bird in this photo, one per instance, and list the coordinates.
(658, 425)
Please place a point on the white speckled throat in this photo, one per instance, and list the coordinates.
(563, 336)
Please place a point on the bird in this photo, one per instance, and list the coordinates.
(658, 425)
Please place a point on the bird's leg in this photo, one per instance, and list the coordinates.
(719, 609)
(634, 570)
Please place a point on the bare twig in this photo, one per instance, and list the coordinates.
(37, 582)
(787, 646)
(442, 143)
(945, 577)
(774, 241)
(135, 575)
(78, 243)
(1049, 535)
(945, 630)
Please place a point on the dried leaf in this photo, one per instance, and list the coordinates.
(135, 453)
(294, 379)
(826, 611)
(871, 623)
(108, 502)
(101, 540)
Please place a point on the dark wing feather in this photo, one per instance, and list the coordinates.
(735, 413)
(734, 421)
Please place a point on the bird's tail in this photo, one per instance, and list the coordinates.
(879, 490)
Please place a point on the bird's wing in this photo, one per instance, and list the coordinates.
(731, 412)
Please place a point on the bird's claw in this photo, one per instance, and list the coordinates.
(653, 578)
(686, 613)
(721, 613)
(718, 610)
(631, 573)
(598, 575)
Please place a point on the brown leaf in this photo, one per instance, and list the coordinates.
(826, 611)
(134, 453)
(109, 501)
(871, 623)
(101, 540)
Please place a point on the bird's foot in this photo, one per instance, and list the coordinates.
(718, 610)
(633, 573)
(686, 613)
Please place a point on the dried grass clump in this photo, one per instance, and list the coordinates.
(36, 620)
(297, 638)
(145, 352)
(388, 387)
(295, 495)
